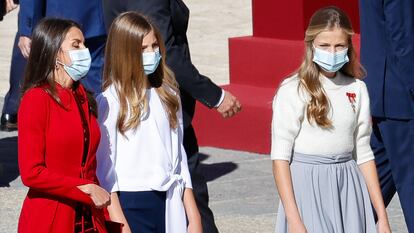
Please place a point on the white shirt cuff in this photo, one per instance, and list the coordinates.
(221, 98)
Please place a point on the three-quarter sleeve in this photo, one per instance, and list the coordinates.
(288, 112)
(362, 135)
(106, 154)
(33, 123)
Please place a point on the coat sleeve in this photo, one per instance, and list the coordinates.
(106, 154)
(178, 58)
(32, 123)
(185, 173)
(399, 26)
(30, 13)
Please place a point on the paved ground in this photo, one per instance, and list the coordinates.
(242, 190)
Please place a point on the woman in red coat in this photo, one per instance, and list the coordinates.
(59, 135)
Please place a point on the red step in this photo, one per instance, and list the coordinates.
(289, 19)
(262, 62)
(247, 131)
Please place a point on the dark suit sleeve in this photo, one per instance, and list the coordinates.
(2, 10)
(399, 23)
(190, 80)
(30, 13)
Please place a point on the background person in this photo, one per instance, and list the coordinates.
(141, 158)
(387, 52)
(171, 17)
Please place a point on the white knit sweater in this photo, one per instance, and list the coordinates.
(351, 131)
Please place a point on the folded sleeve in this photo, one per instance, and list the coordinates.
(32, 123)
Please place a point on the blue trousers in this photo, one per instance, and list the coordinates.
(18, 63)
(393, 144)
(144, 211)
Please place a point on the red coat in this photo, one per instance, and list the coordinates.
(50, 148)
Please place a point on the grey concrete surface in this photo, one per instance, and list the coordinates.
(242, 192)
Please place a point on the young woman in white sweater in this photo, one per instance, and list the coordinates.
(141, 159)
(322, 161)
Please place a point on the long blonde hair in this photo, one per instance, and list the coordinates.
(124, 70)
(325, 19)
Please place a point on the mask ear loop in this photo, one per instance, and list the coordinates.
(59, 62)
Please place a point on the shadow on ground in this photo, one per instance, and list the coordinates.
(215, 170)
(9, 169)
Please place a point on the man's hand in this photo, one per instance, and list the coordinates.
(24, 45)
(230, 105)
(10, 5)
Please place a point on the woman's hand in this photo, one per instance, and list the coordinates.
(383, 226)
(99, 196)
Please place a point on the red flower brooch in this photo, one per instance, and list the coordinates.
(351, 98)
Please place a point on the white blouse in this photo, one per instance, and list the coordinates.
(151, 157)
(349, 113)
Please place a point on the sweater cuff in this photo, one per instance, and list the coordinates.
(281, 149)
(365, 158)
(284, 158)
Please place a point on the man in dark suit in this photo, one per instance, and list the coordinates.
(88, 14)
(171, 17)
(11, 100)
(387, 52)
(8, 120)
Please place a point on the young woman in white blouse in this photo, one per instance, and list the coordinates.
(322, 161)
(141, 159)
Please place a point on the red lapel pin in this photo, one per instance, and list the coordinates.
(351, 98)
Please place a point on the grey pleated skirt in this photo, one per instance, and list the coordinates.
(331, 195)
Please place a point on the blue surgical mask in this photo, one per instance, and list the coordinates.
(150, 60)
(330, 62)
(80, 63)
